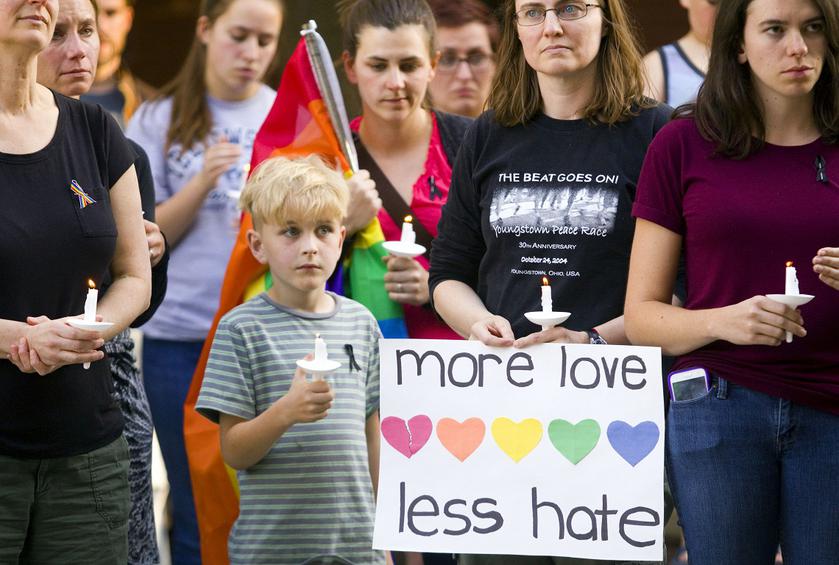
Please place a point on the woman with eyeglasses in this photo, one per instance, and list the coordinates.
(467, 39)
(544, 183)
(389, 54)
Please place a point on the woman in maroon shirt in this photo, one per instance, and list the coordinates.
(745, 182)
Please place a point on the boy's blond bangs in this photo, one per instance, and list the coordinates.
(304, 189)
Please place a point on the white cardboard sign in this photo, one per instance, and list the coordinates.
(549, 450)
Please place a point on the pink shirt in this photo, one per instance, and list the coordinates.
(429, 194)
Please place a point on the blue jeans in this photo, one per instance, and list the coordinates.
(750, 471)
(167, 373)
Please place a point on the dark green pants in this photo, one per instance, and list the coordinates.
(67, 509)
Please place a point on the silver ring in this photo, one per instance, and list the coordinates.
(399, 288)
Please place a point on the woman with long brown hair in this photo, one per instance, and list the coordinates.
(198, 134)
(544, 182)
(409, 148)
(746, 181)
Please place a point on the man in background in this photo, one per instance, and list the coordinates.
(115, 87)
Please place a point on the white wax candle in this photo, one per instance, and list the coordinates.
(90, 303)
(791, 283)
(408, 234)
(547, 302)
(321, 353)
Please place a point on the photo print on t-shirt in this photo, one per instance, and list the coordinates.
(586, 210)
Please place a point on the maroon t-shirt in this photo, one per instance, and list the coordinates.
(741, 221)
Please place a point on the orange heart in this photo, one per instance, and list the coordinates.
(461, 439)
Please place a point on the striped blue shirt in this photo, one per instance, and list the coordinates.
(311, 494)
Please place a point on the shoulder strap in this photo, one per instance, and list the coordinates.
(393, 203)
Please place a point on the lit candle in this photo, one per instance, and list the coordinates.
(90, 302)
(320, 349)
(408, 235)
(547, 303)
(791, 283)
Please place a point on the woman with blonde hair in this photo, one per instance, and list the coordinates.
(544, 183)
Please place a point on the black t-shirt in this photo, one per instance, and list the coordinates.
(50, 245)
(551, 198)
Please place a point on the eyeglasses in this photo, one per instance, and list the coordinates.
(567, 11)
(478, 61)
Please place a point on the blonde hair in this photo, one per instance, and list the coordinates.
(302, 189)
(619, 89)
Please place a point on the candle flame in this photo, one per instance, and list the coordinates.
(317, 336)
(409, 219)
(90, 283)
(789, 263)
(544, 281)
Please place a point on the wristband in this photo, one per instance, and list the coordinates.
(594, 337)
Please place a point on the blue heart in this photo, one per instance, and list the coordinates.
(633, 443)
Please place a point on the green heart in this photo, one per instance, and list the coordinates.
(574, 441)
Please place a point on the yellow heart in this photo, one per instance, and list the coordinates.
(516, 440)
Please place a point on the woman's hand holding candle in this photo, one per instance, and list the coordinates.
(406, 281)
(49, 344)
(826, 265)
(756, 321)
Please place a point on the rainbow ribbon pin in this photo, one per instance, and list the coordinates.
(84, 197)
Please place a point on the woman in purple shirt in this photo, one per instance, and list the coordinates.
(744, 182)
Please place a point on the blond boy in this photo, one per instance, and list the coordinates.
(304, 449)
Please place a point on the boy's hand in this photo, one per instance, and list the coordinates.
(308, 401)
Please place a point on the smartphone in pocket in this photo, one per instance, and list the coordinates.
(688, 384)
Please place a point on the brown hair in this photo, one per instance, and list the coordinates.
(458, 14)
(727, 111)
(389, 14)
(619, 89)
(191, 120)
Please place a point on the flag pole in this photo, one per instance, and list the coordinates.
(330, 90)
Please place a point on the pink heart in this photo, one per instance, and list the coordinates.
(408, 438)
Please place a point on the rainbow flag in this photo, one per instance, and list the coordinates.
(297, 125)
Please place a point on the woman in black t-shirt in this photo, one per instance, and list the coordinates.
(543, 186)
(75, 44)
(71, 209)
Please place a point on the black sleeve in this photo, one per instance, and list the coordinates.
(145, 180)
(159, 280)
(459, 245)
(452, 131)
(114, 154)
